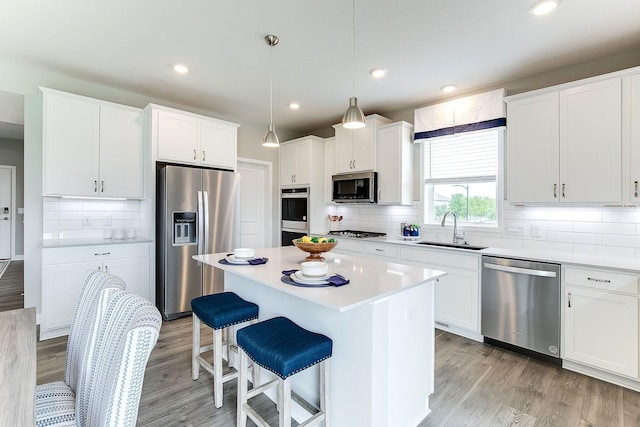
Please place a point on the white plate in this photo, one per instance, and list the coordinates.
(300, 275)
(231, 259)
(306, 280)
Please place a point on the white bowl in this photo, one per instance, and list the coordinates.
(314, 268)
(244, 253)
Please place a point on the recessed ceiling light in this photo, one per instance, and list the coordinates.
(448, 88)
(377, 72)
(294, 105)
(179, 68)
(542, 7)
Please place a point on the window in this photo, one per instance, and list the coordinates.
(460, 175)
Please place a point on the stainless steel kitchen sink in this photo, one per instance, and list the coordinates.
(452, 245)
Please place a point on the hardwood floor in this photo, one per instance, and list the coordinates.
(475, 385)
(12, 287)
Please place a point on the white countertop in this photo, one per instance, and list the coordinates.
(546, 256)
(63, 243)
(370, 280)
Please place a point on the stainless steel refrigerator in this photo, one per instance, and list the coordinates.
(197, 213)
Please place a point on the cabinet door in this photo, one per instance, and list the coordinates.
(591, 142)
(122, 160)
(634, 124)
(329, 168)
(218, 145)
(71, 142)
(458, 298)
(343, 153)
(364, 154)
(134, 272)
(394, 164)
(177, 137)
(61, 288)
(303, 163)
(287, 164)
(533, 149)
(601, 330)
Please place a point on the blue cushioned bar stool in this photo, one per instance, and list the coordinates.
(283, 348)
(221, 312)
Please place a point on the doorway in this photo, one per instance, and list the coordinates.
(7, 216)
(255, 203)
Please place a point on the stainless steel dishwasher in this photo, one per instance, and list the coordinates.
(521, 305)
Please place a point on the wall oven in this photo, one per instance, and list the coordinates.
(355, 187)
(295, 214)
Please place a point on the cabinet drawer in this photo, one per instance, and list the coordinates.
(94, 253)
(381, 250)
(348, 245)
(448, 258)
(601, 279)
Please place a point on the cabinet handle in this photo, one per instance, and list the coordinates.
(555, 191)
(106, 268)
(563, 191)
(102, 186)
(635, 193)
(194, 154)
(102, 254)
(204, 156)
(593, 279)
(95, 186)
(354, 164)
(569, 299)
(379, 250)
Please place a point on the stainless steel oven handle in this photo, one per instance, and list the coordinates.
(519, 270)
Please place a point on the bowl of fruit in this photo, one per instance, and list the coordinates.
(315, 246)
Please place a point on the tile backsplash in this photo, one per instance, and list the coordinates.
(88, 218)
(594, 231)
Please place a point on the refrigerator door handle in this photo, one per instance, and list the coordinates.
(206, 222)
(200, 223)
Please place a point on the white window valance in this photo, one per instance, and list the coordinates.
(476, 112)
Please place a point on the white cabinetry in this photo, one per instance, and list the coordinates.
(356, 148)
(601, 320)
(92, 148)
(348, 246)
(394, 163)
(382, 251)
(565, 145)
(329, 168)
(457, 293)
(187, 138)
(296, 162)
(631, 182)
(63, 274)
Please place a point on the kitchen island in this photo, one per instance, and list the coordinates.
(381, 324)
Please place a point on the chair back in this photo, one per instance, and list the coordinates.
(126, 330)
(79, 343)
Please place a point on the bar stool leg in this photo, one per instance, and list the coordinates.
(242, 389)
(195, 348)
(217, 367)
(325, 392)
(284, 399)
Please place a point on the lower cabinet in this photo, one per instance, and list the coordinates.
(64, 270)
(457, 293)
(601, 320)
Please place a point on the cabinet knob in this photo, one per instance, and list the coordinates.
(195, 154)
(204, 156)
(102, 186)
(563, 191)
(635, 192)
(95, 186)
(555, 191)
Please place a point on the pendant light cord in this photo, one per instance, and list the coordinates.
(353, 46)
(271, 87)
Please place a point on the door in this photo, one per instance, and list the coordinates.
(177, 137)
(6, 211)
(221, 221)
(180, 276)
(217, 145)
(134, 272)
(253, 200)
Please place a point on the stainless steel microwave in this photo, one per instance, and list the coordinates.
(355, 187)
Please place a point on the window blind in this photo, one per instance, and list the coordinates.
(468, 156)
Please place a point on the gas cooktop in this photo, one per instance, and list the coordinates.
(357, 234)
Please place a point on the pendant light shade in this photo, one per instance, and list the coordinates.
(271, 139)
(354, 117)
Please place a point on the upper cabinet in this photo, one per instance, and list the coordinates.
(188, 138)
(91, 148)
(296, 162)
(566, 145)
(355, 149)
(394, 163)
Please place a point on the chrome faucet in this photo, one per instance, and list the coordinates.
(456, 237)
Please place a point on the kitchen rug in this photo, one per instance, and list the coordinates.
(3, 267)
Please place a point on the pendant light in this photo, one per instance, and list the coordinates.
(354, 117)
(271, 139)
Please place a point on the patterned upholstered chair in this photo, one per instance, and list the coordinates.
(109, 385)
(78, 342)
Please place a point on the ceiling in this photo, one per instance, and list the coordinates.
(132, 45)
